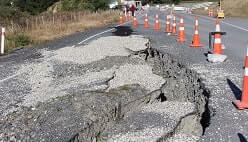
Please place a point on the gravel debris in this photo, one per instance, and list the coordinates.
(180, 137)
(137, 74)
(45, 83)
(101, 48)
(80, 98)
(150, 123)
(168, 108)
(146, 135)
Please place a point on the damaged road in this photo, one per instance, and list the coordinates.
(112, 89)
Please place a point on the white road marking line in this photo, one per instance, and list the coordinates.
(235, 26)
(10, 77)
(238, 27)
(106, 31)
(73, 46)
(95, 35)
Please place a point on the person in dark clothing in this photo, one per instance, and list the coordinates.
(133, 9)
(127, 7)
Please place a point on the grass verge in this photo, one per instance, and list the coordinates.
(48, 26)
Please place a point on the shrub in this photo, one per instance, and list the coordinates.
(34, 6)
(22, 40)
(13, 41)
(92, 5)
(9, 13)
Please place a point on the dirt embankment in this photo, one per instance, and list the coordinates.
(236, 8)
(232, 8)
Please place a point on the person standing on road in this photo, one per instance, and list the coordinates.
(133, 9)
(127, 7)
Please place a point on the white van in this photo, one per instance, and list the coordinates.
(114, 4)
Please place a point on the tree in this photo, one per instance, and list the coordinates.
(100, 4)
(160, 1)
(34, 6)
(176, 1)
(93, 5)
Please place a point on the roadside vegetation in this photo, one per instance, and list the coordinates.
(33, 22)
(161, 1)
(236, 8)
(47, 26)
(203, 11)
(36, 21)
(232, 8)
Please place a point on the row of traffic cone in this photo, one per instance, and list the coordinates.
(173, 30)
(157, 25)
(128, 17)
(181, 34)
(196, 37)
(217, 49)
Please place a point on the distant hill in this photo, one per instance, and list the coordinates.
(68, 5)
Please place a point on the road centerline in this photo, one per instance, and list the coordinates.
(106, 31)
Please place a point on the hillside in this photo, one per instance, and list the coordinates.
(12, 9)
(236, 8)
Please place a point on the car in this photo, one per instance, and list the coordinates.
(113, 5)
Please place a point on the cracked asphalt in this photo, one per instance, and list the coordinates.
(224, 80)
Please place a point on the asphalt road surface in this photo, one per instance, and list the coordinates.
(224, 80)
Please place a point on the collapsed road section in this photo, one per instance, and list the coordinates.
(112, 89)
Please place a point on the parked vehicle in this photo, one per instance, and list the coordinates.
(113, 5)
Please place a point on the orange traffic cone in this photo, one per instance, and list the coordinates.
(196, 39)
(128, 16)
(243, 103)
(217, 51)
(174, 26)
(135, 23)
(121, 19)
(157, 26)
(146, 24)
(181, 35)
(210, 13)
(217, 40)
(167, 27)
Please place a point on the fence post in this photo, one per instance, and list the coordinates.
(53, 19)
(42, 18)
(2, 40)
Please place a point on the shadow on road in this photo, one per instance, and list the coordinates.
(236, 91)
(206, 54)
(122, 31)
(242, 138)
